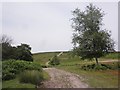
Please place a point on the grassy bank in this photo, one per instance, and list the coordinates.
(15, 83)
(22, 74)
(42, 58)
(96, 79)
(114, 55)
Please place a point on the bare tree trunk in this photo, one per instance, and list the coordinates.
(97, 61)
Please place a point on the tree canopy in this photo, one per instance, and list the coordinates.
(90, 40)
(21, 52)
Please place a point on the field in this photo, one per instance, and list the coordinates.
(94, 78)
(42, 58)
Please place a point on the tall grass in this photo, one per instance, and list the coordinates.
(14, 84)
(114, 55)
(34, 77)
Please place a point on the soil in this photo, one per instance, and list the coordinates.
(63, 79)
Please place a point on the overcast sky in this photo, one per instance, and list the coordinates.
(47, 26)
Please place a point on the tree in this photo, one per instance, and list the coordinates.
(24, 52)
(7, 49)
(89, 39)
(5, 39)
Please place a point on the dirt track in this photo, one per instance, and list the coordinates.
(63, 79)
(110, 60)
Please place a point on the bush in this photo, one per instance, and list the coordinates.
(55, 61)
(115, 66)
(13, 67)
(101, 66)
(33, 77)
(7, 75)
(24, 52)
(44, 66)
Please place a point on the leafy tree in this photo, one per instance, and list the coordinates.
(23, 52)
(89, 39)
(7, 49)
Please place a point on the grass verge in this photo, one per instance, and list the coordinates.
(95, 79)
(31, 76)
(46, 76)
(16, 84)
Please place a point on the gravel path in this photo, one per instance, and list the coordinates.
(63, 79)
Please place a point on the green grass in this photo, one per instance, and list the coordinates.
(96, 79)
(31, 76)
(42, 58)
(115, 55)
(0, 74)
(46, 76)
(16, 84)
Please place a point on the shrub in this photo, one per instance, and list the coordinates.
(55, 61)
(44, 66)
(13, 67)
(33, 77)
(7, 75)
(101, 66)
(115, 66)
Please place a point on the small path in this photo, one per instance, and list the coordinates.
(47, 63)
(59, 54)
(63, 79)
(110, 60)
